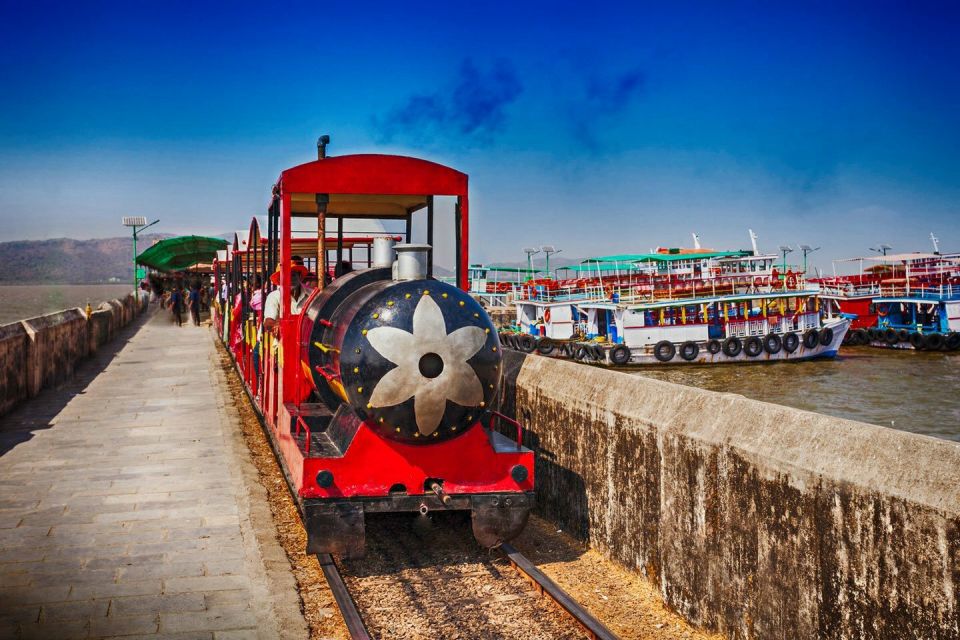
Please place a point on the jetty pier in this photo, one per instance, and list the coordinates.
(754, 520)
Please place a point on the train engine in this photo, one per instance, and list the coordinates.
(404, 371)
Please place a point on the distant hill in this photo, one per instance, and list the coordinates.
(68, 261)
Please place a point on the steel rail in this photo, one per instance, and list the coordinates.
(348, 608)
(548, 587)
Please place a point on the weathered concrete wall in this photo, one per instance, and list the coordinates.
(13, 371)
(57, 342)
(44, 351)
(754, 519)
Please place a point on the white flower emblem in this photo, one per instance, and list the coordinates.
(431, 365)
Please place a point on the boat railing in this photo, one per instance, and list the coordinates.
(797, 323)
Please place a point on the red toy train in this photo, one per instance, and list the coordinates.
(377, 387)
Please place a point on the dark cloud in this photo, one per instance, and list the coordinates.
(603, 98)
(473, 106)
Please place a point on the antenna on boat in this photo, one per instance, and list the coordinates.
(753, 241)
(881, 248)
(936, 243)
(696, 241)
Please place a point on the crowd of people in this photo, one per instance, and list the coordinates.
(257, 300)
(183, 295)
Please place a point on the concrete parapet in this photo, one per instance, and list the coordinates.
(754, 519)
(14, 343)
(44, 351)
(57, 342)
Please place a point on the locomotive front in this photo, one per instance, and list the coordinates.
(408, 366)
(417, 359)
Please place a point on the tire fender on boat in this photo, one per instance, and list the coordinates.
(689, 350)
(952, 341)
(620, 354)
(890, 336)
(664, 351)
(791, 342)
(753, 346)
(811, 339)
(732, 347)
(826, 336)
(546, 346)
(772, 344)
(933, 342)
(527, 343)
(714, 347)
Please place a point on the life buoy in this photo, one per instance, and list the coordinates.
(732, 347)
(620, 354)
(826, 336)
(772, 344)
(883, 311)
(791, 342)
(753, 346)
(791, 281)
(546, 315)
(689, 350)
(811, 339)
(664, 351)
(758, 282)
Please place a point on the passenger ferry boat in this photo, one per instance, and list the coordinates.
(678, 306)
(905, 301)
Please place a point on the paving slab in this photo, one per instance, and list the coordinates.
(129, 505)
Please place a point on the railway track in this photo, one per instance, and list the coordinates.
(448, 591)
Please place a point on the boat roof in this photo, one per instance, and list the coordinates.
(668, 257)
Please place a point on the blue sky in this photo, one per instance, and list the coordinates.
(601, 128)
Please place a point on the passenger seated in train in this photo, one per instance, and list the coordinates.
(298, 296)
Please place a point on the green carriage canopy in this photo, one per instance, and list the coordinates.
(181, 252)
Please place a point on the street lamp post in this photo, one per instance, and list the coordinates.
(549, 249)
(530, 251)
(807, 250)
(138, 224)
(785, 249)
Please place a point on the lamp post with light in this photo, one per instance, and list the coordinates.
(807, 250)
(530, 251)
(549, 249)
(138, 224)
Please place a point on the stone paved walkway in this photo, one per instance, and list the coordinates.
(129, 506)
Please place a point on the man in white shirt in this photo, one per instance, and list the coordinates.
(298, 296)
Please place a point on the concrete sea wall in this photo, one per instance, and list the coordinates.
(756, 520)
(44, 351)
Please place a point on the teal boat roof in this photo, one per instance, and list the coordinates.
(668, 257)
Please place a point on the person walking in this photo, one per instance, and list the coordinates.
(176, 304)
(195, 303)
